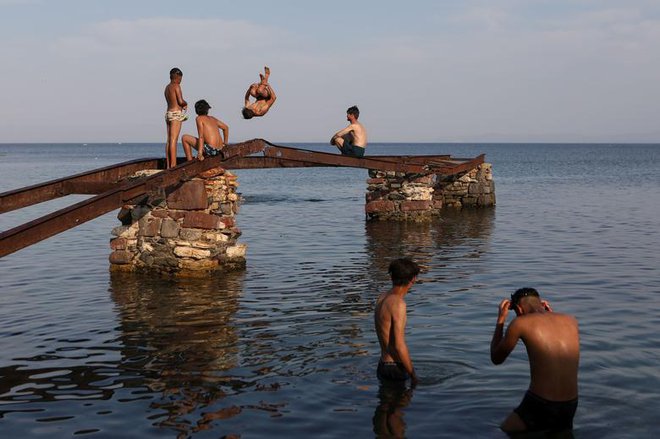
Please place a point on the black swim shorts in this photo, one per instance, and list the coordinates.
(210, 151)
(540, 414)
(391, 371)
(352, 150)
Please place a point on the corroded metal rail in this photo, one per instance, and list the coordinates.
(113, 189)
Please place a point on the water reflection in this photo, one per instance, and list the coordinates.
(455, 234)
(177, 340)
(388, 420)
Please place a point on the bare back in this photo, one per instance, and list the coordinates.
(390, 320)
(208, 127)
(359, 134)
(553, 347)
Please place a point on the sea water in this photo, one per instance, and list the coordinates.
(286, 348)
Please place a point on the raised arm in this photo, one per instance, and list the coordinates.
(247, 96)
(200, 139)
(502, 343)
(225, 131)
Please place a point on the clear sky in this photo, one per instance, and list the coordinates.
(420, 71)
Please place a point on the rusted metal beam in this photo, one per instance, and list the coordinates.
(458, 167)
(38, 193)
(324, 158)
(285, 157)
(88, 187)
(79, 213)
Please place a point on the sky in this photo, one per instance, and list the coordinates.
(420, 71)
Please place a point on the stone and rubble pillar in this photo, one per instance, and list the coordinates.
(399, 196)
(186, 232)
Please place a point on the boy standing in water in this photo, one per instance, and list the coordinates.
(175, 115)
(390, 320)
(553, 347)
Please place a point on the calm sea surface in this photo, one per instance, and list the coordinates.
(286, 348)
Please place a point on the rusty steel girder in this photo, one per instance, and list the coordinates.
(114, 190)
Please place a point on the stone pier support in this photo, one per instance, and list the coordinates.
(400, 196)
(186, 232)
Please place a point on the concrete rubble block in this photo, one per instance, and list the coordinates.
(396, 196)
(190, 252)
(165, 260)
(176, 215)
(225, 209)
(119, 244)
(425, 179)
(204, 245)
(201, 220)
(215, 237)
(465, 178)
(190, 234)
(486, 200)
(119, 231)
(198, 264)
(191, 195)
(407, 206)
(121, 257)
(417, 192)
(149, 226)
(236, 251)
(228, 222)
(475, 188)
(145, 247)
(380, 206)
(160, 213)
(181, 243)
(147, 259)
(169, 228)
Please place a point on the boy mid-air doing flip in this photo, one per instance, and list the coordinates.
(263, 94)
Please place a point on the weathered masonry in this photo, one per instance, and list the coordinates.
(403, 196)
(189, 230)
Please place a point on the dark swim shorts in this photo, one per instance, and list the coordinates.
(391, 371)
(352, 150)
(540, 414)
(210, 151)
